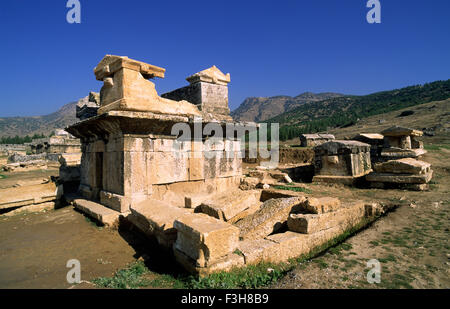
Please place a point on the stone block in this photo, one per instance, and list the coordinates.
(99, 212)
(205, 239)
(321, 205)
(312, 223)
(272, 215)
(157, 218)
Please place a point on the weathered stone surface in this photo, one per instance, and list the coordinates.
(401, 131)
(126, 88)
(312, 223)
(156, 218)
(257, 250)
(336, 159)
(33, 194)
(272, 215)
(400, 178)
(205, 239)
(311, 140)
(321, 205)
(30, 209)
(100, 213)
(403, 166)
(229, 206)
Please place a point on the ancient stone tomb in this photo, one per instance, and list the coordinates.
(341, 161)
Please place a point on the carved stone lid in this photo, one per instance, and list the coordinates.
(111, 64)
(212, 75)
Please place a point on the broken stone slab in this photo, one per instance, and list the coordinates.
(205, 239)
(156, 218)
(30, 209)
(31, 194)
(403, 166)
(97, 211)
(400, 178)
(321, 205)
(272, 215)
(312, 223)
(229, 206)
(395, 153)
(257, 250)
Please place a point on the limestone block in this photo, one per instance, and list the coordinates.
(257, 250)
(102, 214)
(169, 167)
(290, 245)
(196, 166)
(272, 215)
(400, 178)
(137, 144)
(321, 205)
(228, 205)
(157, 218)
(205, 239)
(312, 223)
(403, 166)
(401, 131)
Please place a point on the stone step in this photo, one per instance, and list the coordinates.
(155, 218)
(231, 206)
(102, 214)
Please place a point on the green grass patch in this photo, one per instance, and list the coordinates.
(128, 278)
(295, 189)
(2, 176)
(436, 147)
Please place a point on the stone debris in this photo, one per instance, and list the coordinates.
(406, 173)
(272, 216)
(311, 140)
(88, 106)
(321, 205)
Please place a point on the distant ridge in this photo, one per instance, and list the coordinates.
(262, 108)
(21, 126)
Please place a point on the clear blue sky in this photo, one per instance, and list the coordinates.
(269, 47)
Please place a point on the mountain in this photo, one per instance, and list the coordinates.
(260, 109)
(21, 126)
(348, 110)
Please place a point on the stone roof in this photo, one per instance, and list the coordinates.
(111, 64)
(375, 136)
(342, 146)
(401, 131)
(212, 75)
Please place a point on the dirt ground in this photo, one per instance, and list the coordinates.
(34, 249)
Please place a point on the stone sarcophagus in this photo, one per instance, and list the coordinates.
(401, 142)
(131, 151)
(341, 161)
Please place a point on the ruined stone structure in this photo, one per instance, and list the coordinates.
(208, 90)
(401, 143)
(88, 106)
(130, 153)
(376, 142)
(341, 161)
(406, 173)
(311, 140)
(60, 142)
(183, 189)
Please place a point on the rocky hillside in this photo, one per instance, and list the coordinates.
(260, 109)
(21, 126)
(346, 111)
